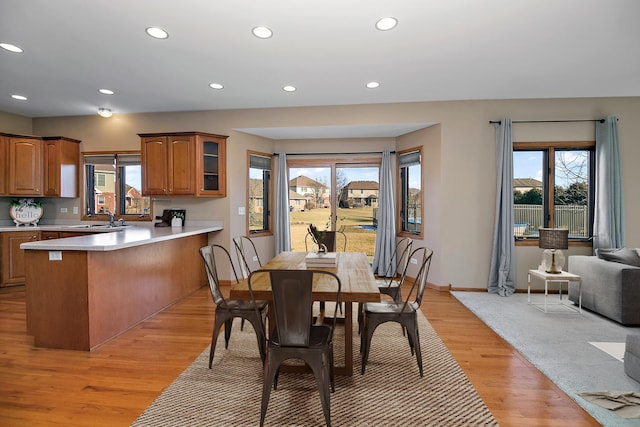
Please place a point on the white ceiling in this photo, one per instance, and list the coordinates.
(328, 49)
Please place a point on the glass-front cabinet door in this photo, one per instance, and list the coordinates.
(212, 160)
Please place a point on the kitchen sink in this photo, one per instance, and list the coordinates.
(99, 226)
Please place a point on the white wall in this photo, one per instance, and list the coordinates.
(459, 157)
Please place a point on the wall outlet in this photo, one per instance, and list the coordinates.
(55, 255)
(75, 210)
(414, 261)
(255, 259)
(240, 210)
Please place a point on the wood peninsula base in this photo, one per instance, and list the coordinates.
(89, 297)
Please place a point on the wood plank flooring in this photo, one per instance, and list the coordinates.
(113, 384)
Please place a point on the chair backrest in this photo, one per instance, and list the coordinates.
(211, 263)
(423, 257)
(293, 302)
(333, 240)
(247, 255)
(399, 259)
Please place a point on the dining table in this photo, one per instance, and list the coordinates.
(358, 286)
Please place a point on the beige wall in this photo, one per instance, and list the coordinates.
(459, 179)
(12, 123)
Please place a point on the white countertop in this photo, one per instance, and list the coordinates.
(126, 237)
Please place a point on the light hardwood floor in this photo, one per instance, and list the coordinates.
(112, 385)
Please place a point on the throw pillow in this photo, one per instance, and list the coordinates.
(622, 255)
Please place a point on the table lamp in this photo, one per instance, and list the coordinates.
(552, 240)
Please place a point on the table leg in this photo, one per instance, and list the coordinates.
(546, 293)
(348, 338)
(529, 288)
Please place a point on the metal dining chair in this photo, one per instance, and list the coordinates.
(294, 336)
(390, 283)
(330, 240)
(247, 255)
(404, 313)
(227, 309)
(333, 240)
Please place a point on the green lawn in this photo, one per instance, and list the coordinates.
(349, 220)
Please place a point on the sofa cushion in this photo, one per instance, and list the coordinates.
(622, 255)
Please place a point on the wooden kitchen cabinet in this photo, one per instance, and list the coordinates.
(3, 164)
(184, 164)
(13, 258)
(61, 166)
(25, 166)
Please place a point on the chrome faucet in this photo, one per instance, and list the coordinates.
(112, 218)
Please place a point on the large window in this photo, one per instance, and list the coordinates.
(410, 206)
(113, 184)
(259, 193)
(553, 187)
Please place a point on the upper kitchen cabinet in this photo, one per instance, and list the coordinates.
(184, 164)
(61, 163)
(3, 163)
(25, 166)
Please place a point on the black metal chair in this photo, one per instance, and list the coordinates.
(330, 240)
(294, 336)
(247, 255)
(333, 240)
(405, 312)
(228, 309)
(389, 283)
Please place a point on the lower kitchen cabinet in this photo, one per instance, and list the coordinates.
(13, 260)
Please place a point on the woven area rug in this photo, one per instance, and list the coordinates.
(390, 393)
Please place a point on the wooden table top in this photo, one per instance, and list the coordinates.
(353, 269)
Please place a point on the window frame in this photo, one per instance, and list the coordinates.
(403, 191)
(119, 195)
(549, 148)
(267, 209)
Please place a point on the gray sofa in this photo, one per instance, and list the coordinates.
(609, 288)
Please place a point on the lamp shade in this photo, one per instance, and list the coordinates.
(553, 238)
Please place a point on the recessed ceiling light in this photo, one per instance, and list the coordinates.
(385, 24)
(289, 88)
(105, 112)
(11, 47)
(262, 32)
(106, 91)
(216, 86)
(19, 97)
(373, 85)
(157, 33)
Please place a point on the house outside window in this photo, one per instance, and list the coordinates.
(563, 197)
(113, 184)
(259, 193)
(410, 205)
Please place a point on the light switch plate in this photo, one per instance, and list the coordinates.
(240, 210)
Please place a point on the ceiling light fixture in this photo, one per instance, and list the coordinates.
(289, 88)
(385, 24)
(262, 32)
(157, 33)
(105, 112)
(11, 47)
(216, 86)
(373, 85)
(19, 97)
(106, 91)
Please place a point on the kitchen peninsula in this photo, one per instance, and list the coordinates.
(83, 291)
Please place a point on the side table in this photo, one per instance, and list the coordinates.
(559, 278)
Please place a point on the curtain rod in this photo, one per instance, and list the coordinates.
(548, 121)
(332, 154)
